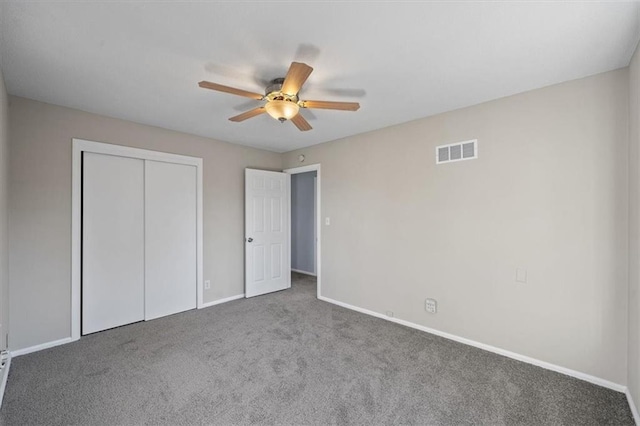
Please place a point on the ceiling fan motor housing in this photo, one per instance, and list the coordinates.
(274, 92)
(274, 86)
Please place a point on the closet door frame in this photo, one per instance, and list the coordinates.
(78, 147)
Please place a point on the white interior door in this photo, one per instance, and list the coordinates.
(112, 242)
(267, 232)
(170, 238)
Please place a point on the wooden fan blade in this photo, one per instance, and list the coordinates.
(342, 106)
(296, 76)
(301, 123)
(248, 114)
(232, 90)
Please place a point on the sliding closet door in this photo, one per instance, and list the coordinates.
(170, 233)
(112, 241)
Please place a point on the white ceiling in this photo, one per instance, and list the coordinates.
(141, 61)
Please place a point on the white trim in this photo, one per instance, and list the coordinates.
(632, 405)
(42, 346)
(546, 365)
(302, 169)
(305, 169)
(5, 376)
(303, 272)
(288, 255)
(80, 146)
(219, 301)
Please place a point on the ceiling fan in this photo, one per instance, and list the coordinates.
(281, 96)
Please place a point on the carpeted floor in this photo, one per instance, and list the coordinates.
(288, 358)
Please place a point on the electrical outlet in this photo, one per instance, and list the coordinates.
(431, 306)
(207, 285)
(327, 221)
(390, 314)
(521, 275)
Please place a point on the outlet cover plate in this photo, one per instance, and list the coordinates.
(521, 275)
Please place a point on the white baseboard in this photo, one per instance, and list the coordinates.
(219, 301)
(42, 346)
(5, 376)
(48, 345)
(632, 405)
(563, 370)
(303, 272)
(567, 371)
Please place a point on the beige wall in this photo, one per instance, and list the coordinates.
(40, 208)
(4, 194)
(634, 228)
(549, 193)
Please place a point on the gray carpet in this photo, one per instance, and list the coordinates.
(288, 358)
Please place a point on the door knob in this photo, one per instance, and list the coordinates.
(250, 239)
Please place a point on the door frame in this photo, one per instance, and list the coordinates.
(78, 147)
(305, 169)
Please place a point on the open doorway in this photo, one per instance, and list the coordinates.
(305, 222)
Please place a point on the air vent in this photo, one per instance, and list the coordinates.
(467, 150)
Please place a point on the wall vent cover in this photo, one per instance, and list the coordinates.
(467, 150)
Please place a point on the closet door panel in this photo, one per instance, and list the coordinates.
(170, 238)
(112, 241)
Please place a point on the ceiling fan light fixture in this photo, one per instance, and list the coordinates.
(281, 96)
(282, 110)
